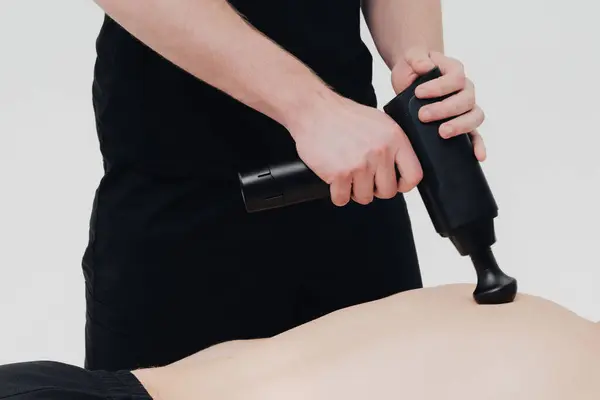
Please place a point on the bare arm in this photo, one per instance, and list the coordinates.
(210, 40)
(398, 25)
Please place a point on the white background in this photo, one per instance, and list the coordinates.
(535, 64)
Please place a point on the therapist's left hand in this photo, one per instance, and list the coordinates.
(464, 115)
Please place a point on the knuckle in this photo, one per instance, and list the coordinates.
(396, 131)
(460, 80)
(436, 89)
(341, 175)
(458, 65)
(415, 178)
(378, 152)
(360, 166)
(480, 111)
(330, 177)
(471, 101)
(422, 62)
(469, 83)
(433, 110)
(480, 116)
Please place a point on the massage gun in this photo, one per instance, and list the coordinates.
(454, 190)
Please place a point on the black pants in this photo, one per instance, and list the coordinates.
(46, 380)
(175, 265)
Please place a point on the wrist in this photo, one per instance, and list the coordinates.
(306, 104)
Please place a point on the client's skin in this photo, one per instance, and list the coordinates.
(426, 344)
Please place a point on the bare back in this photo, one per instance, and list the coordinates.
(425, 344)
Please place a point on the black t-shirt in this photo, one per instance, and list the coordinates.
(154, 117)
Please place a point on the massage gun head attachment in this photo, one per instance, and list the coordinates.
(493, 285)
(475, 239)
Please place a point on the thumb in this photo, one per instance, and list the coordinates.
(416, 62)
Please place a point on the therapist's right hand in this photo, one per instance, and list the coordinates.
(355, 148)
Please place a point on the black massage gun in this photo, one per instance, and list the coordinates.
(454, 190)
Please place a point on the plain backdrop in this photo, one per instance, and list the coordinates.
(535, 65)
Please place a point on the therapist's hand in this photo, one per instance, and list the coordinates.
(461, 108)
(355, 149)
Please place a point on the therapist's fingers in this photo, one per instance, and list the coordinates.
(409, 167)
(341, 190)
(453, 78)
(455, 105)
(419, 60)
(478, 146)
(363, 185)
(465, 123)
(386, 180)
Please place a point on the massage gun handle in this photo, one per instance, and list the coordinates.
(280, 185)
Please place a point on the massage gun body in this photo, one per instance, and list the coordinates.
(454, 190)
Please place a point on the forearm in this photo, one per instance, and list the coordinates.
(398, 25)
(211, 41)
